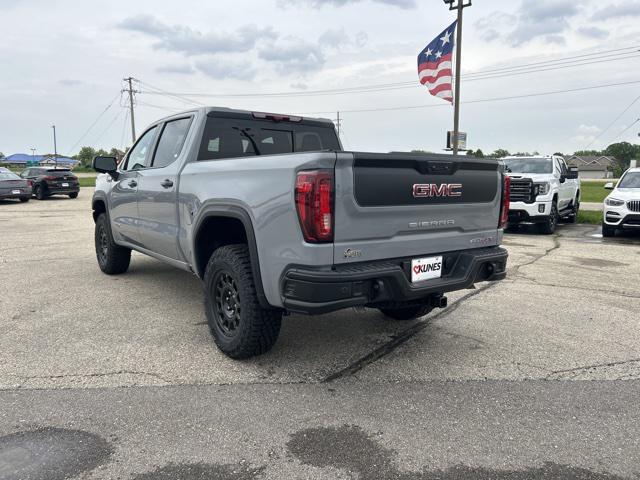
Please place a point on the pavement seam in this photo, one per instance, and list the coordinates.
(409, 333)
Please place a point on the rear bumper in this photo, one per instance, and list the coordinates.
(24, 193)
(51, 190)
(322, 290)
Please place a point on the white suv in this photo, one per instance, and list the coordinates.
(622, 206)
(543, 190)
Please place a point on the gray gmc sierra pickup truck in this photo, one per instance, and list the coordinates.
(275, 217)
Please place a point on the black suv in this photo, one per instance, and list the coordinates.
(52, 181)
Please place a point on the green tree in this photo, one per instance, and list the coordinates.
(85, 156)
(623, 152)
(499, 153)
(478, 153)
(588, 153)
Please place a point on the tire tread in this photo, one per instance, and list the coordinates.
(263, 328)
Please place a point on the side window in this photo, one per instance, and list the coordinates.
(171, 142)
(138, 156)
(25, 174)
(563, 167)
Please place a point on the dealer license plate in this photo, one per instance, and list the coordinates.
(64, 184)
(426, 268)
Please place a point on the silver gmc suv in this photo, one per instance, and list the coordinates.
(275, 217)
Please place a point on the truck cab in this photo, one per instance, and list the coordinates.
(544, 190)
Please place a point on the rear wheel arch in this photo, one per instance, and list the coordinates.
(218, 226)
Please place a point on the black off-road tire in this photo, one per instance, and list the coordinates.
(608, 231)
(112, 258)
(73, 195)
(40, 192)
(240, 326)
(410, 312)
(24, 199)
(550, 224)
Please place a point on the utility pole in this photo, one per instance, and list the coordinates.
(129, 89)
(338, 123)
(55, 147)
(459, 6)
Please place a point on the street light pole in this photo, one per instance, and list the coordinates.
(33, 155)
(460, 6)
(55, 146)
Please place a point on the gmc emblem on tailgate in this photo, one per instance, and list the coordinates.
(432, 190)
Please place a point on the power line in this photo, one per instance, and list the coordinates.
(556, 64)
(612, 123)
(124, 129)
(108, 127)
(94, 123)
(483, 100)
(625, 130)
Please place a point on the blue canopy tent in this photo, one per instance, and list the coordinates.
(25, 159)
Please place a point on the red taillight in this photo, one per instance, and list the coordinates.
(314, 203)
(30, 183)
(504, 210)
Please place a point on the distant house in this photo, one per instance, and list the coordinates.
(23, 159)
(593, 166)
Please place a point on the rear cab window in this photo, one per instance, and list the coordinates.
(245, 136)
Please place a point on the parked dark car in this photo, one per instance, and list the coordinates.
(52, 181)
(12, 186)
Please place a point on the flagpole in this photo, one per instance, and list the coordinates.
(456, 106)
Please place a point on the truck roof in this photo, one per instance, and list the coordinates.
(233, 111)
(534, 157)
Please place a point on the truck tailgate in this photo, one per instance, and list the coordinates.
(400, 205)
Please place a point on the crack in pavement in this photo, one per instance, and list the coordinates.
(26, 378)
(590, 367)
(409, 333)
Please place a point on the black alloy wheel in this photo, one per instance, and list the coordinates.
(228, 308)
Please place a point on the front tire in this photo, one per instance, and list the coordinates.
(550, 224)
(608, 231)
(73, 195)
(112, 258)
(406, 313)
(39, 192)
(240, 326)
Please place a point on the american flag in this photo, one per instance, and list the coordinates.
(435, 62)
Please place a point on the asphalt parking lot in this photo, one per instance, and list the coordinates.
(534, 376)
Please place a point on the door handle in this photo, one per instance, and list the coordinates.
(167, 183)
(133, 183)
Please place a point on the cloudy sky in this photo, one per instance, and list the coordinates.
(63, 63)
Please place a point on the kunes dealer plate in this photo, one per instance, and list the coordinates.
(426, 268)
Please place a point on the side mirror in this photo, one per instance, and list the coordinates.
(106, 165)
(608, 185)
(563, 178)
(573, 173)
